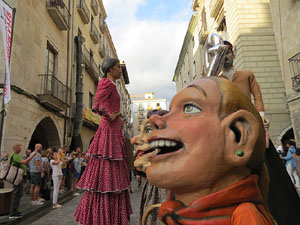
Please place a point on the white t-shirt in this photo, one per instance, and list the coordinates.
(56, 169)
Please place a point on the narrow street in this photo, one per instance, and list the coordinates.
(64, 215)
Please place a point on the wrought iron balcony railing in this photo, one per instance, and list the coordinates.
(54, 93)
(59, 12)
(94, 33)
(94, 6)
(83, 11)
(294, 63)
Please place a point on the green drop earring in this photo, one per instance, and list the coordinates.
(240, 153)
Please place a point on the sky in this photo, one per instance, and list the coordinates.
(148, 36)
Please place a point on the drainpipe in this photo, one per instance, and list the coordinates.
(78, 120)
(67, 78)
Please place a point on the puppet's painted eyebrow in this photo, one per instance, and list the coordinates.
(198, 87)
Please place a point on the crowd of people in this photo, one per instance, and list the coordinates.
(45, 170)
(106, 178)
(290, 156)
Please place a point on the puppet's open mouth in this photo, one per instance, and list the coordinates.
(166, 146)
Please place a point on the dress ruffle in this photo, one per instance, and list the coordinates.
(106, 177)
(91, 210)
(108, 143)
(103, 175)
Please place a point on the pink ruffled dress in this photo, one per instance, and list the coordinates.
(106, 178)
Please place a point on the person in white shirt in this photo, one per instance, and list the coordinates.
(57, 174)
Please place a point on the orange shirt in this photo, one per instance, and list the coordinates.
(247, 214)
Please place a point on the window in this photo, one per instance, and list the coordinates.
(91, 99)
(51, 56)
(50, 86)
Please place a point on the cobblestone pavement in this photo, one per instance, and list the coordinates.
(64, 215)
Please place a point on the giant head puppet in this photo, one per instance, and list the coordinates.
(143, 148)
(208, 150)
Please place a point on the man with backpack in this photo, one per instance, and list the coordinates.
(16, 160)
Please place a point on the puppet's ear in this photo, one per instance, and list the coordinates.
(241, 132)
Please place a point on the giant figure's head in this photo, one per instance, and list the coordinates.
(211, 138)
(141, 141)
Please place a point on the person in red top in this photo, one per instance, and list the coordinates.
(106, 177)
(210, 150)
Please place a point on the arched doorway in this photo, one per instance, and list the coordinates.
(289, 134)
(45, 133)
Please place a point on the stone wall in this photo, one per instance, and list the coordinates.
(250, 29)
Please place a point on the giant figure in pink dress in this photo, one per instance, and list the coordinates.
(106, 177)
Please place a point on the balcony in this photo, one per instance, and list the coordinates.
(101, 24)
(294, 64)
(102, 50)
(94, 6)
(59, 12)
(94, 33)
(215, 7)
(94, 70)
(203, 34)
(90, 65)
(83, 11)
(107, 52)
(54, 93)
(86, 57)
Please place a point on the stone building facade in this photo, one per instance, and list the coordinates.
(286, 20)
(57, 51)
(248, 25)
(141, 104)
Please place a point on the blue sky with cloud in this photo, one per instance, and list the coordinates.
(148, 36)
(162, 10)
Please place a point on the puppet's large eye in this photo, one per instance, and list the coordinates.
(190, 108)
(148, 129)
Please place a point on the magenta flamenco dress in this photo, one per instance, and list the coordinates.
(106, 178)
